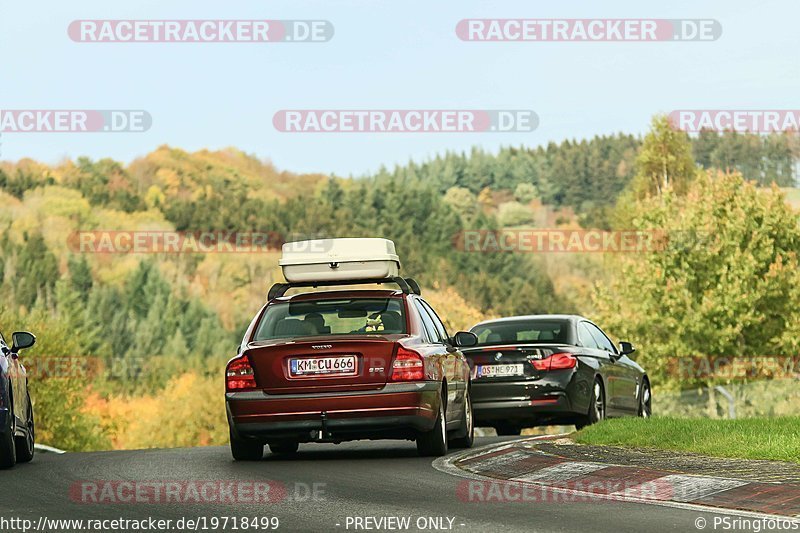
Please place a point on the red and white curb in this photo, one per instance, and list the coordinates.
(542, 476)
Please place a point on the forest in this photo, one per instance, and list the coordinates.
(158, 328)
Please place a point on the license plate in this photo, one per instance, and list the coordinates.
(316, 366)
(497, 371)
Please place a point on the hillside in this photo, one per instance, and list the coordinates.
(159, 327)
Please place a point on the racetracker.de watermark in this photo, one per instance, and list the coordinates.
(404, 120)
(200, 31)
(475, 491)
(74, 120)
(739, 120)
(731, 367)
(571, 241)
(158, 491)
(174, 242)
(43, 366)
(588, 30)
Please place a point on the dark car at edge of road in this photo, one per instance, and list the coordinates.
(342, 365)
(17, 434)
(550, 370)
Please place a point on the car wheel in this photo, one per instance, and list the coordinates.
(597, 406)
(433, 443)
(468, 423)
(507, 430)
(283, 447)
(8, 452)
(25, 445)
(246, 450)
(646, 401)
(597, 409)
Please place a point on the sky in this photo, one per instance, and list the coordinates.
(383, 55)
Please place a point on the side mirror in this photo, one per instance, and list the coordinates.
(465, 339)
(626, 348)
(21, 340)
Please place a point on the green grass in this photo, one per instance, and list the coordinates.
(749, 438)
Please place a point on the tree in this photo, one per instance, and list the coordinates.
(665, 161)
(36, 272)
(462, 200)
(80, 275)
(722, 279)
(526, 192)
(513, 214)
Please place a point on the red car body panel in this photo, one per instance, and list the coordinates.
(365, 404)
(411, 403)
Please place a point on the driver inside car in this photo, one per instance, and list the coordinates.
(317, 322)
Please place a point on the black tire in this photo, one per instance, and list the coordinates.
(646, 400)
(433, 443)
(468, 423)
(283, 447)
(25, 445)
(507, 430)
(597, 405)
(8, 451)
(246, 450)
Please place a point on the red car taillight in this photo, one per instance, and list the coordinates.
(560, 361)
(408, 366)
(239, 375)
(557, 361)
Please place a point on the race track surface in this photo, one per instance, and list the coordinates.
(346, 487)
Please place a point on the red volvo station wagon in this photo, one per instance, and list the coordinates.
(343, 365)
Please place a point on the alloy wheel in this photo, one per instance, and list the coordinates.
(646, 408)
(599, 402)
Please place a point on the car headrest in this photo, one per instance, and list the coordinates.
(292, 327)
(547, 335)
(392, 322)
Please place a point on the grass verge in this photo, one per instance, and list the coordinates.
(750, 438)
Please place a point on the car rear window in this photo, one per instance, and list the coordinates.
(529, 331)
(347, 316)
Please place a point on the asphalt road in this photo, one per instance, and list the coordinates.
(327, 488)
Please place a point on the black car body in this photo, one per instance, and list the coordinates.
(17, 433)
(552, 369)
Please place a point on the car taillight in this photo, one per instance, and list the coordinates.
(239, 375)
(560, 361)
(557, 361)
(408, 366)
(540, 364)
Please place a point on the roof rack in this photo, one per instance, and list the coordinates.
(407, 285)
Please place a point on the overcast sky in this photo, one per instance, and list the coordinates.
(384, 55)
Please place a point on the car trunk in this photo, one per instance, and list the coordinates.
(323, 364)
(508, 363)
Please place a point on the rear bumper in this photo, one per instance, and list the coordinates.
(523, 401)
(398, 410)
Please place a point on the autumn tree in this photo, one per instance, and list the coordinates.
(721, 278)
(665, 161)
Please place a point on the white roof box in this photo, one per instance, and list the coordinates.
(339, 260)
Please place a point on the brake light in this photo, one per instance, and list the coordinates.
(560, 361)
(239, 375)
(541, 364)
(408, 366)
(557, 361)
